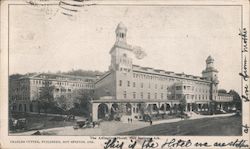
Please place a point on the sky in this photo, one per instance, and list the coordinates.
(175, 38)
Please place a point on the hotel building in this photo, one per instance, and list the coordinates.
(127, 88)
(24, 92)
(135, 89)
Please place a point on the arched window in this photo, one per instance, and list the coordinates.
(25, 108)
(31, 107)
(20, 108)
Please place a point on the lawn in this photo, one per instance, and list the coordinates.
(218, 126)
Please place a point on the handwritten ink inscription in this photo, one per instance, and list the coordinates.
(176, 143)
(150, 143)
(245, 128)
(237, 143)
(244, 73)
(113, 143)
(243, 34)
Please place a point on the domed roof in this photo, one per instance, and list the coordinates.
(121, 26)
(209, 58)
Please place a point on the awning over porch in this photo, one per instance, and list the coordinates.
(134, 101)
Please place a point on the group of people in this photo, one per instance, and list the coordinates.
(130, 120)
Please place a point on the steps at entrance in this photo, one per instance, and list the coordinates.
(192, 114)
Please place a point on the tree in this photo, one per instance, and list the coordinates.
(80, 72)
(81, 98)
(46, 96)
(222, 91)
(15, 76)
(64, 103)
(236, 99)
(213, 107)
(183, 104)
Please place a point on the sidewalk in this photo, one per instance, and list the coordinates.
(197, 116)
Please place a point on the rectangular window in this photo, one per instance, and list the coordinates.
(155, 95)
(178, 87)
(141, 95)
(134, 95)
(141, 85)
(120, 82)
(161, 95)
(148, 95)
(128, 83)
(133, 84)
(125, 94)
(155, 86)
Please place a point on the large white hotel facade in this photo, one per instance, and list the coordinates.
(133, 89)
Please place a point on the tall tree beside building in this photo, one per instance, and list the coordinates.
(81, 99)
(236, 99)
(46, 97)
(183, 104)
(63, 102)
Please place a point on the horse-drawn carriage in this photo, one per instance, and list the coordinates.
(85, 124)
(18, 124)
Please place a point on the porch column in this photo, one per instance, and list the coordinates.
(133, 109)
(95, 111)
(150, 108)
(164, 108)
(109, 109)
(171, 108)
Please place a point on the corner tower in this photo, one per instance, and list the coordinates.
(121, 52)
(121, 33)
(211, 74)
